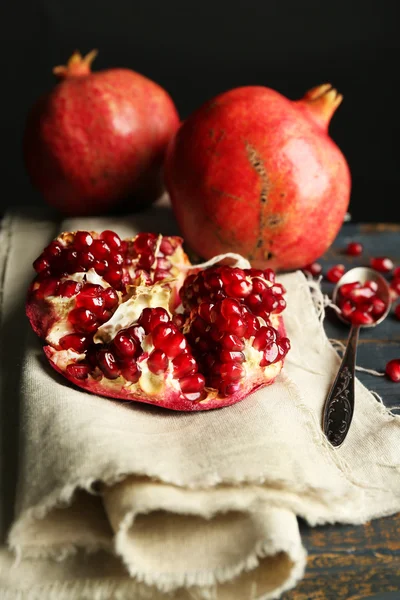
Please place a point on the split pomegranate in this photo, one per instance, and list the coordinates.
(361, 304)
(393, 369)
(116, 326)
(335, 273)
(98, 138)
(382, 264)
(255, 173)
(354, 249)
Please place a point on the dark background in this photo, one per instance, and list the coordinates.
(198, 49)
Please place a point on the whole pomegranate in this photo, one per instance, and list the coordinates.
(256, 173)
(124, 319)
(98, 138)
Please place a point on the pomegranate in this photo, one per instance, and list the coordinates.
(98, 138)
(361, 304)
(124, 319)
(256, 173)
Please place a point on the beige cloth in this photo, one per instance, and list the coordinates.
(186, 506)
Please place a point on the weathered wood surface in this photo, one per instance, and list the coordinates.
(345, 562)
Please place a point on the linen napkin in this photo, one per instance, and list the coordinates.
(130, 501)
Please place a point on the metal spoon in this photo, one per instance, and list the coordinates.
(339, 406)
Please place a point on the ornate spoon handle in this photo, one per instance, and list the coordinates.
(339, 405)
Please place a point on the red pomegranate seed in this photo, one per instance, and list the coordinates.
(179, 320)
(112, 240)
(204, 311)
(151, 317)
(157, 362)
(236, 325)
(53, 250)
(212, 281)
(124, 346)
(393, 369)
(231, 342)
(113, 277)
(82, 240)
(231, 371)
(397, 311)
(100, 249)
(76, 342)
(100, 266)
(270, 355)
(252, 325)
(226, 356)
(372, 285)
(87, 260)
(269, 275)
(71, 261)
(146, 261)
(192, 383)
(382, 264)
(395, 286)
(335, 273)
(96, 304)
(167, 338)
(117, 260)
(354, 249)
(48, 287)
(347, 308)
(228, 389)
(264, 336)
(378, 307)
(83, 320)
(277, 289)
(160, 274)
(69, 288)
(145, 243)
(41, 264)
(137, 333)
(346, 288)
(77, 371)
(108, 364)
(360, 295)
(110, 298)
(229, 307)
(239, 289)
(283, 346)
(255, 272)
(161, 332)
(358, 317)
(259, 286)
(184, 364)
(229, 275)
(166, 247)
(313, 269)
(254, 302)
(130, 371)
(396, 273)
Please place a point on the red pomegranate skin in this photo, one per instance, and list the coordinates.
(255, 173)
(98, 138)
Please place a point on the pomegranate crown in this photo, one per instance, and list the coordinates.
(320, 103)
(77, 65)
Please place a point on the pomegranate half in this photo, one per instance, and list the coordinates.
(124, 319)
(255, 173)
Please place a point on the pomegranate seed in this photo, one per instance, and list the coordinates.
(359, 317)
(212, 281)
(87, 260)
(236, 325)
(393, 369)
(259, 286)
(284, 346)
(69, 288)
(71, 260)
(264, 336)
(231, 342)
(335, 273)
(252, 325)
(228, 389)
(378, 307)
(360, 295)
(313, 269)
(100, 249)
(163, 264)
(382, 264)
(145, 243)
(239, 289)
(161, 332)
(157, 362)
(184, 364)
(91, 289)
(107, 363)
(137, 333)
(395, 286)
(124, 345)
(100, 266)
(146, 261)
(179, 320)
(160, 274)
(167, 338)
(96, 304)
(204, 311)
(354, 249)
(166, 247)
(231, 371)
(77, 371)
(372, 285)
(254, 302)
(53, 250)
(269, 275)
(396, 273)
(397, 311)
(41, 264)
(83, 320)
(116, 260)
(192, 383)
(130, 371)
(347, 308)
(270, 355)
(112, 240)
(346, 288)
(79, 343)
(229, 307)
(82, 240)
(228, 356)
(151, 317)
(113, 277)
(110, 298)
(277, 289)
(255, 272)
(48, 287)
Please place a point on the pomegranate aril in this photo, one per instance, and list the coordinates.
(163, 264)
(358, 317)
(184, 364)
(335, 273)
(277, 289)
(360, 295)
(215, 333)
(382, 264)
(151, 317)
(397, 311)
(146, 261)
(145, 243)
(255, 272)
(347, 308)
(264, 336)
(130, 370)
(393, 369)
(228, 356)
(96, 304)
(378, 307)
(160, 274)
(83, 320)
(71, 261)
(313, 269)
(116, 260)
(281, 306)
(124, 346)
(212, 281)
(239, 289)
(372, 285)
(226, 389)
(354, 249)
(231, 371)
(254, 302)
(283, 346)
(107, 363)
(396, 273)
(48, 287)
(269, 275)
(166, 247)
(270, 355)
(79, 343)
(259, 286)
(100, 249)
(137, 333)
(231, 274)
(179, 320)
(192, 383)
(41, 264)
(395, 286)
(112, 240)
(252, 325)
(236, 325)
(100, 266)
(87, 260)
(231, 342)
(204, 311)
(157, 362)
(77, 371)
(113, 277)
(69, 288)
(110, 298)
(346, 288)
(161, 332)
(53, 250)
(82, 240)
(229, 307)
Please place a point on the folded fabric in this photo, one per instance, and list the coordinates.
(200, 505)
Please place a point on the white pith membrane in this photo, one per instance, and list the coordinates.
(127, 314)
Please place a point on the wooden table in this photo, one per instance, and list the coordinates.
(352, 563)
